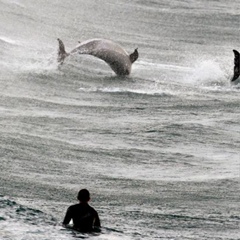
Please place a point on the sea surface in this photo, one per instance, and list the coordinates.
(158, 150)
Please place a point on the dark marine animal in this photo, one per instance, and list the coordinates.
(236, 69)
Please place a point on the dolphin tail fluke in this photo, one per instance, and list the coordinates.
(236, 65)
(62, 54)
(134, 56)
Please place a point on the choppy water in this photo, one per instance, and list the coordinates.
(158, 150)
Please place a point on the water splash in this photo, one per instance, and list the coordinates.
(207, 72)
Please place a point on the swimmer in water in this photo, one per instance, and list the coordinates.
(85, 218)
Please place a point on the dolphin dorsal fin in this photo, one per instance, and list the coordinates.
(61, 51)
(134, 56)
(236, 65)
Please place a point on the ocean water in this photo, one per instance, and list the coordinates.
(158, 150)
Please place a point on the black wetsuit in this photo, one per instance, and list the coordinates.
(85, 218)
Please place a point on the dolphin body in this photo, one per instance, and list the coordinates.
(236, 69)
(110, 52)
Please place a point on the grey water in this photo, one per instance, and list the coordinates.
(158, 150)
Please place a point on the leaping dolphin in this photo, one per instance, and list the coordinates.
(110, 52)
(236, 66)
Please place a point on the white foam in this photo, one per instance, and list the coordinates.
(128, 90)
(172, 67)
(8, 40)
(205, 72)
(15, 2)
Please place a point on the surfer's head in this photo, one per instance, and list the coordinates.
(83, 195)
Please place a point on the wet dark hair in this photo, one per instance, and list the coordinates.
(83, 195)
